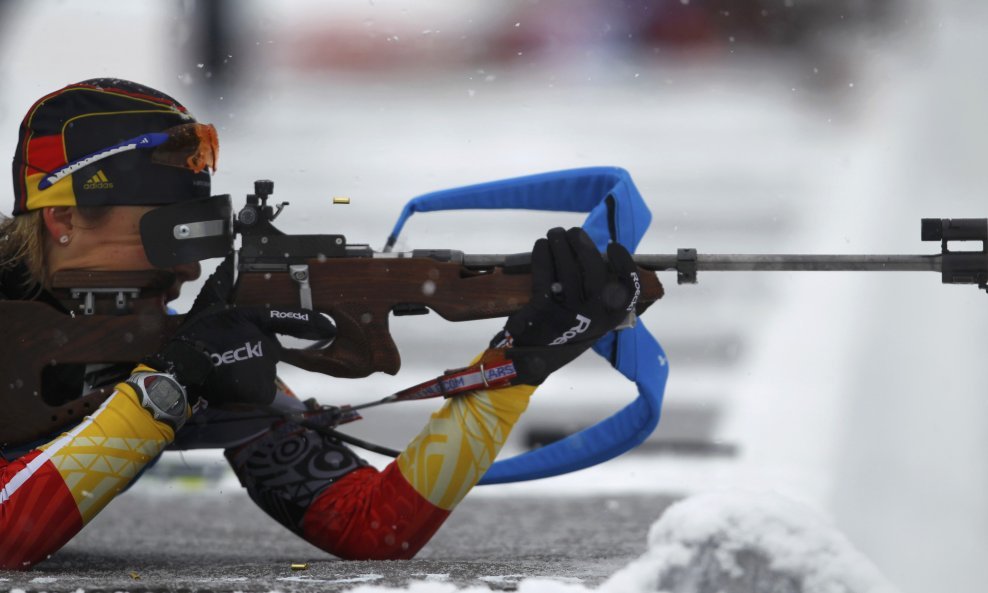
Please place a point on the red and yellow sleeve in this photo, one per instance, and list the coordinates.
(460, 443)
(48, 495)
(393, 513)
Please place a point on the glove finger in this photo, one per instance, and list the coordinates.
(568, 285)
(217, 290)
(300, 323)
(624, 294)
(543, 273)
(592, 264)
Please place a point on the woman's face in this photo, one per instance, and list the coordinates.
(112, 243)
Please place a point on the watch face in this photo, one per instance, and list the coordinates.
(166, 395)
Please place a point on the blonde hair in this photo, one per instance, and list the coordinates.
(22, 241)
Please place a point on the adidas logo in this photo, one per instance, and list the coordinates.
(98, 181)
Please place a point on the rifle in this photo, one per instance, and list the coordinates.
(117, 317)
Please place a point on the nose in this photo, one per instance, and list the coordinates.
(187, 272)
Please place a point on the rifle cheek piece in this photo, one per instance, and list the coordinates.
(188, 231)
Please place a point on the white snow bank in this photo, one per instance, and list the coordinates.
(724, 541)
(744, 542)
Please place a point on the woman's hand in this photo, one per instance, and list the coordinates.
(227, 354)
(577, 297)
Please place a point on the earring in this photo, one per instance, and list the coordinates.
(64, 239)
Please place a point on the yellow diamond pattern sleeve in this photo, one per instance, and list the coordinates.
(98, 458)
(460, 443)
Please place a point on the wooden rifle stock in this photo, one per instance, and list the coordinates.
(361, 293)
(358, 293)
(38, 338)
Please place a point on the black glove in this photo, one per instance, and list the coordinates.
(577, 297)
(226, 354)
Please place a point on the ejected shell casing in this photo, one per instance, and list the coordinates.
(341, 200)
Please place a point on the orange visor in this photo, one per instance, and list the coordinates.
(192, 146)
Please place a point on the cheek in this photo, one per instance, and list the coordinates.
(129, 254)
(129, 245)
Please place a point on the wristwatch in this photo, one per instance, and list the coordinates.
(161, 395)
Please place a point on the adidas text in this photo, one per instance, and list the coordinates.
(97, 185)
(582, 323)
(245, 352)
(289, 315)
(98, 181)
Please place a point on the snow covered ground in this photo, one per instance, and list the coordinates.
(855, 395)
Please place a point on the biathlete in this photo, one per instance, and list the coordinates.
(78, 203)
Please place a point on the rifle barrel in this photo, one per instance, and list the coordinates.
(753, 263)
(796, 263)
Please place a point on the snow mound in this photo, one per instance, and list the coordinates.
(726, 542)
(747, 542)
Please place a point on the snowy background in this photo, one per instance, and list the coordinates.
(808, 130)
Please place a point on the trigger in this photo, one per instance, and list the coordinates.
(300, 274)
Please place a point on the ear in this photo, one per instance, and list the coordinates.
(58, 220)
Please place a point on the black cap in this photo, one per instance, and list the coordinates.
(88, 117)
